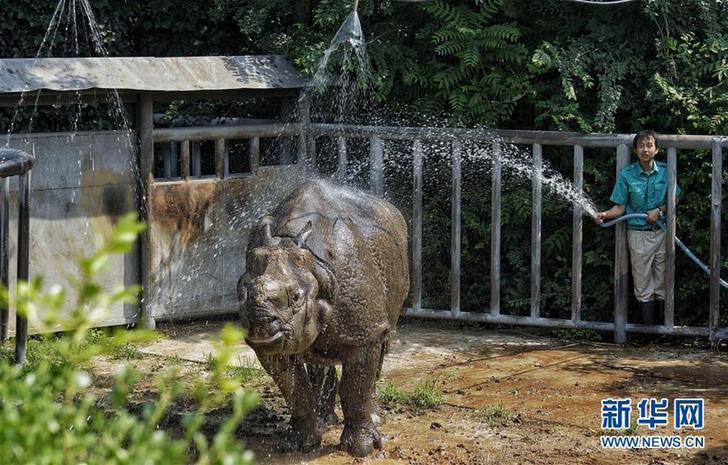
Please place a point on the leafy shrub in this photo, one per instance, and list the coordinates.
(49, 414)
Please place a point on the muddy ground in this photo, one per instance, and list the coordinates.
(509, 396)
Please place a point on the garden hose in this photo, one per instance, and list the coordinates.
(661, 224)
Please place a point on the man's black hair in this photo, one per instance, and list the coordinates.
(644, 134)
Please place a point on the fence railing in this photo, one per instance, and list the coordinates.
(377, 135)
(537, 139)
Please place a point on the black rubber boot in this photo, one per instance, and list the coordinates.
(660, 312)
(649, 312)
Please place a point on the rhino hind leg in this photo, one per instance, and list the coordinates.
(324, 384)
(360, 371)
(289, 373)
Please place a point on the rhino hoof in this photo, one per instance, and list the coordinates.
(301, 441)
(360, 442)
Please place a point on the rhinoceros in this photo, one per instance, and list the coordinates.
(326, 276)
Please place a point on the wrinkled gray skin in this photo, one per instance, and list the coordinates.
(326, 276)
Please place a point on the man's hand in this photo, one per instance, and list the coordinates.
(601, 216)
(653, 215)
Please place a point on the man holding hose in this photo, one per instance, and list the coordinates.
(642, 188)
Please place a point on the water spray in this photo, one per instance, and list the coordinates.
(682, 246)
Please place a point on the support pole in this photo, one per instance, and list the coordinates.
(21, 320)
(145, 133)
(621, 265)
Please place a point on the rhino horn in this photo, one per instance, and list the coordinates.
(303, 235)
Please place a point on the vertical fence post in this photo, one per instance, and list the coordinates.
(670, 239)
(577, 234)
(168, 161)
(185, 159)
(536, 232)
(621, 265)
(455, 229)
(254, 154)
(495, 230)
(342, 158)
(376, 174)
(4, 256)
(220, 158)
(417, 227)
(145, 133)
(715, 210)
(21, 321)
(196, 159)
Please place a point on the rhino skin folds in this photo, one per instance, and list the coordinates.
(326, 275)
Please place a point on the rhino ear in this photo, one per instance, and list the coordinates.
(303, 235)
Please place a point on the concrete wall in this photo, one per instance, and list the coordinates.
(81, 184)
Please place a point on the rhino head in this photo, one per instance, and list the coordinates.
(279, 294)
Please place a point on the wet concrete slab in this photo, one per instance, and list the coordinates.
(550, 389)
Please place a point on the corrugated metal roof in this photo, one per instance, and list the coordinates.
(171, 74)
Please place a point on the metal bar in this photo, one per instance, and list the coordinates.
(197, 159)
(536, 231)
(715, 208)
(376, 173)
(417, 226)
(145, 133)
(254, 148)
(21, 320)
(495, 230)
(343, 158)
(552, 322)
(510, 136)
(185, 159)
(670, 238)
(4, 256)
(455, 226)
(220, 158)
(577, 235)
(621, 265)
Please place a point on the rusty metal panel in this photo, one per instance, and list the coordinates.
(92, 189)
(170, 74)
(198, 236)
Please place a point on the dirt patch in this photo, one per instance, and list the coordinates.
(509, 398)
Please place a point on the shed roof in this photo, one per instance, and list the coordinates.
(155, 74)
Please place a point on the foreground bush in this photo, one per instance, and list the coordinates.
(48, 414)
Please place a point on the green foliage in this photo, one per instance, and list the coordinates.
(49, 413)
(497, 414)
(423, 396)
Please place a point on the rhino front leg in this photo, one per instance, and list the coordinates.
(289, 373)
(324, 383)
(360, 368)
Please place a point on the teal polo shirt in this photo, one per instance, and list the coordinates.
(639, 191)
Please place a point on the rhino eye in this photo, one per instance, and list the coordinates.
(297, 296)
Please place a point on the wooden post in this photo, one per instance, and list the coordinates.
(343, 158)
(417, 226)
(145, 133)
(254, 148)
(536, 232)
(376, 173)
(495, 230)
(577, 234)
(670, 239)
(185, 159)
(715, 208)
(220, 158)
(621, 264)
(455, 229)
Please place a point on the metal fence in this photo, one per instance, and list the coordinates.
(537, 139)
